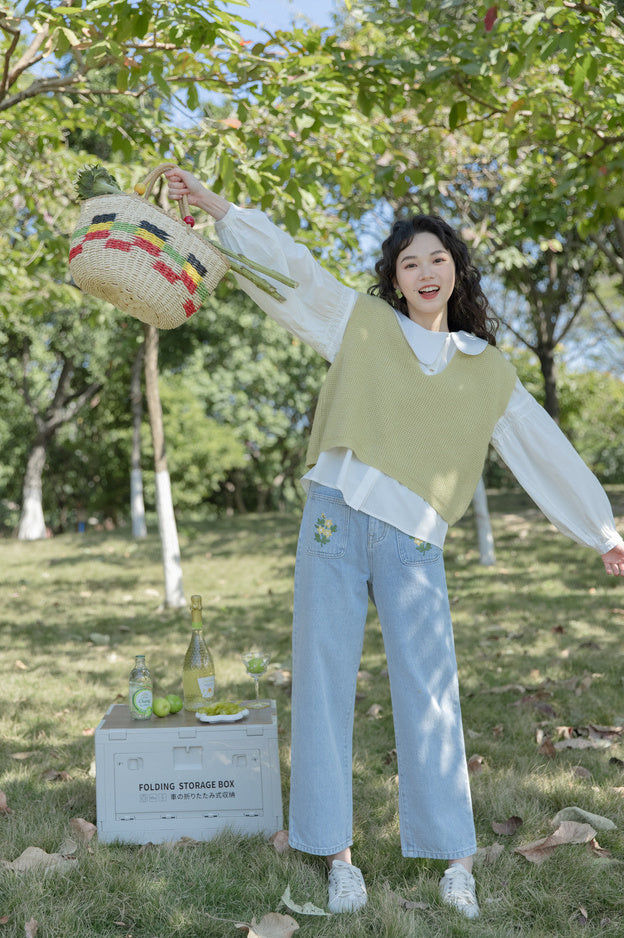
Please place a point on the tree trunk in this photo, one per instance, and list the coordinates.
(137, 505)
(487, 556)
(174, 590)
(32, 525)
(549, 371)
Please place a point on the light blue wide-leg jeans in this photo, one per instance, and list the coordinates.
(343, 556)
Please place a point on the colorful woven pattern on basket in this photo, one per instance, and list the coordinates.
(118, 235)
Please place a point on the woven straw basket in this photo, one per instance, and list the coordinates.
(143, 260)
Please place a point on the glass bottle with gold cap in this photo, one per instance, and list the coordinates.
(198, 672)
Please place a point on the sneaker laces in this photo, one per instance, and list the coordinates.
(458, 886)
(346, 887)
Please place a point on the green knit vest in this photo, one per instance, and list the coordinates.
(429, 432)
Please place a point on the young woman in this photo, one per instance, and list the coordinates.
(416, 392)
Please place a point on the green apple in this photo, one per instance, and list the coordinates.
(175, 703)
(161, 706)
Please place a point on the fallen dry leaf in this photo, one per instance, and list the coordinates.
(68, 848)
(82, 829)
(584, 684)
(308, 908)
(30, 928)
(89, 731)
(568, 832)
(476, 764)
(21, 666)
(406, 904)
(489, 855)
(56, 775)
(34, 858)
(374, 711)
(579, 917)
(597, 851)
(604, 732)
(279, 840)
(182, 842)
(508, 827)
(272, 925)
(547, 748)
(4, 807)
(503, 689)
(4, 919)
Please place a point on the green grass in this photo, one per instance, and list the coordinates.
(539, 646)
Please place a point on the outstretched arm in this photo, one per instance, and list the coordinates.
(554, 475)
(317, 310)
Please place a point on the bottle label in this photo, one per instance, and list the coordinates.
(142, 701)
(206, 686)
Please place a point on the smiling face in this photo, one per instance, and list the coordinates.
(425, 275)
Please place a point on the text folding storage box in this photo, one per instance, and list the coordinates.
(162, 779)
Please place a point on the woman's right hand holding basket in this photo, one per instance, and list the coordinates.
(182, 183)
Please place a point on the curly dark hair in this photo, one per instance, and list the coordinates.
(467, 306)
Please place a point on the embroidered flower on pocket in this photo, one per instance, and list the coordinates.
(325, 528)
(422, 546)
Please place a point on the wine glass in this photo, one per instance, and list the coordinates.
(256, 664)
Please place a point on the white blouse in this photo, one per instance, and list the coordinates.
(526, 438)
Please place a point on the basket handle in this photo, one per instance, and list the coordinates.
(149, 183)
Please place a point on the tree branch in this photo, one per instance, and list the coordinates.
(618, 328)
(40, 86)
(7, 55)
(587, 271)
(603, 245)
(29, 58)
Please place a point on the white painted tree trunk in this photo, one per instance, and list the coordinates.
(137, 505)
(487, 557)
(32, 523)
(174, 590)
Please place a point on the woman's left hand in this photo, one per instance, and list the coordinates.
(613, 560)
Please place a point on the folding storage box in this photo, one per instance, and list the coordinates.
(161, 779)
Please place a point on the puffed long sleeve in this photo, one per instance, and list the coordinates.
(551, 471)
(318, 309)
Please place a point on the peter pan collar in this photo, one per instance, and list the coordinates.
(430, 344)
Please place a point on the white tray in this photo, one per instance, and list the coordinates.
(222, 717)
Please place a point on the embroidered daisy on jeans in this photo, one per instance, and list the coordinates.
(325, 528)
(422, 546)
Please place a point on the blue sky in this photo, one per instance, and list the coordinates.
(279, 14)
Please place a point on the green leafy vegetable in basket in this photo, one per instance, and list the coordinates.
(95, 180)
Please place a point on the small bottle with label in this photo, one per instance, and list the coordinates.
(198, 672)
(140, 690)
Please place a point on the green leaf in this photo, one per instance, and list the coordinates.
(531, 25)
(457, 114)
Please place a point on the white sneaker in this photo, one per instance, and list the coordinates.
(457, 888)
(347, 891)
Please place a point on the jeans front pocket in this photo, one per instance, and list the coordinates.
(325, 525)
(413, 551)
